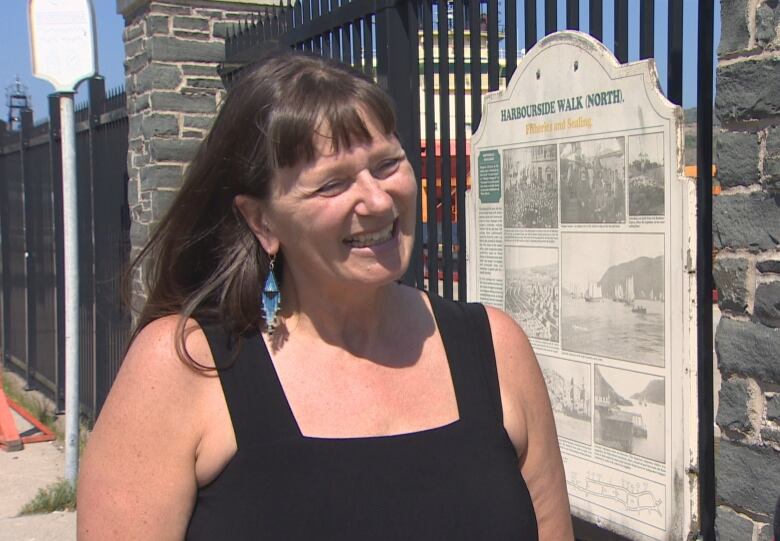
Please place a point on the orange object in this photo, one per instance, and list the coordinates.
(45, 433)
(9, 435)
(692, 171)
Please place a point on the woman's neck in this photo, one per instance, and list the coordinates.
(354, 317)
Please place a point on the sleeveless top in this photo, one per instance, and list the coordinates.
(460, 481)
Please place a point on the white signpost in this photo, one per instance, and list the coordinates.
(581, 226)
(63, 51)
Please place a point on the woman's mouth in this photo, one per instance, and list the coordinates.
(365, 240)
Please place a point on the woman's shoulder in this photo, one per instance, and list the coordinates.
(170, 343)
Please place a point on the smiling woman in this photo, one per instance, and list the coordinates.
(364, 409)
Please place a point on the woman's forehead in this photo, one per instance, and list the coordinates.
(326, 147)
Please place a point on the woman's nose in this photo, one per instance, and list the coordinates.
(373, 197)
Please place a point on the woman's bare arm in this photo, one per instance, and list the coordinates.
(530, 424)
(137, 476)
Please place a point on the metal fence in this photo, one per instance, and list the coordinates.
(31, 246)
(398, 42)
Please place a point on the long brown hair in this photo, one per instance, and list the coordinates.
(202, 260)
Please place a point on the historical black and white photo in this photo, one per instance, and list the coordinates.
(531, 187)
(646, 175)
(629, 411)
(568, 384)
(612, 297)
(593, 181)
(532, 297)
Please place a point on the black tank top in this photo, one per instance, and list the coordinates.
(457, 482)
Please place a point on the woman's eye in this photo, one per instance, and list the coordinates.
(387, 167)
(332, 188)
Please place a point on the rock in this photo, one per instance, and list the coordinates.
(750, 221)
(734, 33)
(731, 526)
(767, 304)
(747, 477)
(748, 348)
(733, 405)
(747, 90)
(737, 159)
(730, 277)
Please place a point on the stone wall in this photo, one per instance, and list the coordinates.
(746, 229)
(172, 49)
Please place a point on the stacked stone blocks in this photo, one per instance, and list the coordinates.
(172, 50)
(746, 229)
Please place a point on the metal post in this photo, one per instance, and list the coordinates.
(70, 213)
(704, 272)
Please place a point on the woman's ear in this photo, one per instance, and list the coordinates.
(251, 209)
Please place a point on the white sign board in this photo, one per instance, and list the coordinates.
(62, 41)
(581, 227)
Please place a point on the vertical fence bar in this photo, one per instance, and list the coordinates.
(431, 230)
(28, 211)
(529, 22)
(336, 37)
(460, 144)
(510, 39)
(3, 240)
(675, 51)
(550, 16)
(416, 266)
(368, 45)
(647, 29)
(346, 49)
(621, 30)
(55, 153)
(475, 62)
(492, 43)
(572, 14)
(97, 105)
(704, 281)
(357, 55)
(444, 180)
(596, 19)
(394, 74)
(5, 244)
(306, 17)
(86, 265)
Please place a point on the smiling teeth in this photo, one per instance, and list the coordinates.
(363, 241)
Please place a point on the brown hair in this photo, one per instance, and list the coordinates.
(202, 260)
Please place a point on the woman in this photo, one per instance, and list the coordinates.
(363, 409)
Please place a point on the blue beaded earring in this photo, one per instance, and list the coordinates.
(271, 299)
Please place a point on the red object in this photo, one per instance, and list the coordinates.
(10, 439)
(45, 433)
(9, 435)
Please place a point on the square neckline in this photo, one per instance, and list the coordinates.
(399, 436)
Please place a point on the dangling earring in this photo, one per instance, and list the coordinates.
(271, 299)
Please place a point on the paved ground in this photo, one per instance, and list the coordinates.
(21, 475)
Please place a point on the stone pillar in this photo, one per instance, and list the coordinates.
(172, 49)
(746, 229)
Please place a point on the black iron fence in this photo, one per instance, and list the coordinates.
(402, 43)
(31, 239)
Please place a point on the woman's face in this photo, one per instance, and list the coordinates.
(346, 218)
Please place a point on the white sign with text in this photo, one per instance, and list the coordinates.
(580, 227)
(62, 42)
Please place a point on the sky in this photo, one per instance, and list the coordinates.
(15, 59)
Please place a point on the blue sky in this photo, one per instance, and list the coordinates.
(14, 41)
(16, 60)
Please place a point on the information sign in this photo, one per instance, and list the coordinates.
(581, 227)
